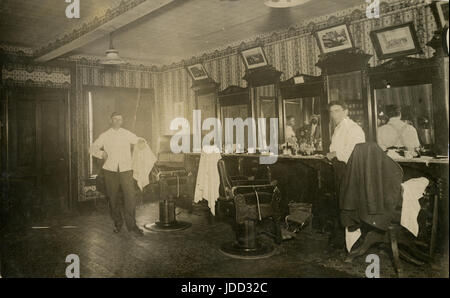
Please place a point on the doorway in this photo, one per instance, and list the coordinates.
(37, 162)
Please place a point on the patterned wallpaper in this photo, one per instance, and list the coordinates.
(16, 70)
(37, 76)
(290, 51)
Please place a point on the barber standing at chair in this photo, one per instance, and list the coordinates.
(346, 135)
(114, 146)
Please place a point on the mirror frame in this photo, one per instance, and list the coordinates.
(402, 72)
(312, 86)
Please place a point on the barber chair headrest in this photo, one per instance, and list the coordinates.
(166, 158)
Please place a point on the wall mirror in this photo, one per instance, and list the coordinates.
(303, 110)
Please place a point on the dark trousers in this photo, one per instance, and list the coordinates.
(337, 237)
(123, 180)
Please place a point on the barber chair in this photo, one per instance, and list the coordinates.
(248, 203)
(174, 182)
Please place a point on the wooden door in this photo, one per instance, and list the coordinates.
(37, 145)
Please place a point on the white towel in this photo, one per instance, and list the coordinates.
(143, 161)
(208, 180)
(413, 190)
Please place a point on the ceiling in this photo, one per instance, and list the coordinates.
(177, 31)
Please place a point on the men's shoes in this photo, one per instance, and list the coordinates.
(137, 231)
(117, 229)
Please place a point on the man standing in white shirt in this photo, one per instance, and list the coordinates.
(345, 137)
(114, 146)
(397, 133)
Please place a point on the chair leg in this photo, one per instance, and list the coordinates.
(395, 251)
(278, 235)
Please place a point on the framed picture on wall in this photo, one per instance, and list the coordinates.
(334, 39)
(197, 72)
(399, 40)
(254, 58)
(442, 12)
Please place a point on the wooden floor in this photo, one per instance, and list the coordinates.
(190, 253)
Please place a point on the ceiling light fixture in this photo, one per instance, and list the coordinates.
(284, 3)
(112, 55)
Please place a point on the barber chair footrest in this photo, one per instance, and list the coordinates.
(171, 227)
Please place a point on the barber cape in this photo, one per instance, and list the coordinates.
(142, 164)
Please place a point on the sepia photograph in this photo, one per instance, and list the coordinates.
(224, 147)
(334, 39)
(443, 12)
(395, 41)
(197, 72)
(254, 58)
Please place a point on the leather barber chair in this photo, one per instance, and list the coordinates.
(249, 203)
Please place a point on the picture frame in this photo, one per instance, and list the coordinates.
(197, 72)
(442, 10)
(334, 39)
(395, 41)
(254, 58)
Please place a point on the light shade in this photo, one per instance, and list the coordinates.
(112, 55)
(112, 58)
(284, 3)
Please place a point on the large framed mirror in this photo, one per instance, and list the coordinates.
(265, 100)
(234, 102)
(206, 100)
(402, 92)
(303, 113)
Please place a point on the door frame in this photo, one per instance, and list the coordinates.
(8, 96)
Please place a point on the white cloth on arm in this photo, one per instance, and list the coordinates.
(208, 180)
(143, 161)
(413, 190)
(117, 144)
(397, 133)
(346, 135)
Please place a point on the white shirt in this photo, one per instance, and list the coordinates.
(397, 133)
(117, 144)
(346, 135)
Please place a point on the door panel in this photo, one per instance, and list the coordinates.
(53, 156)
(38, 162)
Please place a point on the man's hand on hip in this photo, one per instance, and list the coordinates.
(104, 155)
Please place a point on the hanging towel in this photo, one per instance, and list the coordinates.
(413, 190)
(143, 161)
(208, 180)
